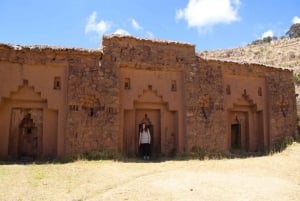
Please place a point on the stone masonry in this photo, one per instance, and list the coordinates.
(94, 100)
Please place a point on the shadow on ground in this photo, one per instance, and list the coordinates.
(195, 155)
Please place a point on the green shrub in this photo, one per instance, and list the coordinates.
(294, 31)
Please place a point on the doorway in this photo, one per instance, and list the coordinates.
(235, 136)
(26, 132)
(239, 131)
(163, 127)
(28, 137)
(152, 120)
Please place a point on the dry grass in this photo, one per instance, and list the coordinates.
(283, 53)
(275, 177)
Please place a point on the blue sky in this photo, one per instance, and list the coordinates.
(209, 24)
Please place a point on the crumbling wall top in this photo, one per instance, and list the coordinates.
(5, 46)
(263, 67)
(119, 37)
(43, 53)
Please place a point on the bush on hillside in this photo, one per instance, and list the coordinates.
(294, 31)
(267, 39)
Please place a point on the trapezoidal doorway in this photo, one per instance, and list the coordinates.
(133, 120)
(26, 132)
(239, 132)
(235, 136)
(245, 126)
(150, 108)
(152, 120)
(163, 129)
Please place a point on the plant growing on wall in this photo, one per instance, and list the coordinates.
(296, 78)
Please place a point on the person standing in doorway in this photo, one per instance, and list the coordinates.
(144, 141)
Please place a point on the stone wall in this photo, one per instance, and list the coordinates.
(87, 100)
(28, 75)
(88, 108)
(282, 105)
(93, 104)
(156, 61)
(131, 52)
(279, 96)
(204, 107)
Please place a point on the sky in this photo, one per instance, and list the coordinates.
(208, 24)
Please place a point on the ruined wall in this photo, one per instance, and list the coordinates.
(204, 107)
(278, 96)
(151, 66)
(265, 89)
(84, 99)
(93, 102)
(27, 76)
(136, 53)
(282, 105)
(245, 103)
(73, 91)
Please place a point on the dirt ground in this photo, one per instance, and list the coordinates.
(275, 177)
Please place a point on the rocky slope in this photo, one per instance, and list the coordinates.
(283, 53)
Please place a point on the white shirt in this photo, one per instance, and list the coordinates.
(145, 137)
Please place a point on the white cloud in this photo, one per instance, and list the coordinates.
(136, 25)
(268, 33)
(99, 27)
(296, 20)
(203, 14)
(122, 32)
(150, 34)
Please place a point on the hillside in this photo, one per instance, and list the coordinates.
(284, 53)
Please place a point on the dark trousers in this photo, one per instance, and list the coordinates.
(145, 149)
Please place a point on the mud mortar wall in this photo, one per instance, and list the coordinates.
(204, 107)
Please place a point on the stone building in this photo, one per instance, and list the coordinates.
(60, 101)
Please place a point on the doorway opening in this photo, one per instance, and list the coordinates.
(28, 137)
(149, 127)
(151, 118)
(26, 131)
(236, 136)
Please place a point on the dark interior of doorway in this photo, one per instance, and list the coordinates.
(235, 136)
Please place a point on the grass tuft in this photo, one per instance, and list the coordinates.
(282, 145)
